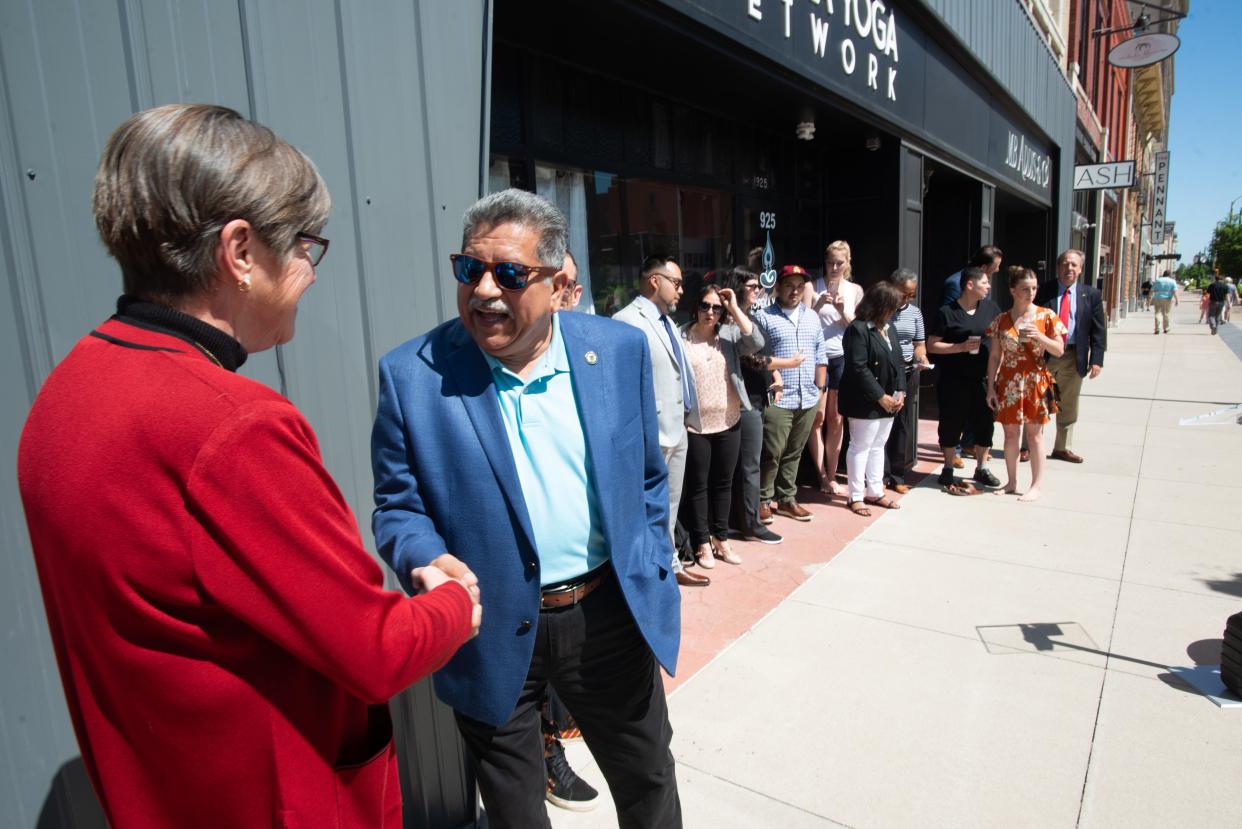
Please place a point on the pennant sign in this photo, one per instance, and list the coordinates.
(1162, 190)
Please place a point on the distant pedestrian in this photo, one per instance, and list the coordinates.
(1146, 294)
(957, 341)
(1081, 310)
(791, 331)
(1204, 301)
(872, 394)
(1020, 387)
(834, 298)
(1164, 296)
(899, 454)
(1218, 294)
(1231, 298)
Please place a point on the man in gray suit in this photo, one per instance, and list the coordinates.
(676, 404)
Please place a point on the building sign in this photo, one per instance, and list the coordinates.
(1020, 158)
(867, 40)
(1119, 174)
(1161, 193)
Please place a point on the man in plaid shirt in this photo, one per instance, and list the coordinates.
(795, 342)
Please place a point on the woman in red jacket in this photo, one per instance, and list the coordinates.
(225, 642)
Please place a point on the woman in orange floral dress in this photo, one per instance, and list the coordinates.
(1020, 388)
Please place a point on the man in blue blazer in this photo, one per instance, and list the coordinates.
(1082, 310)
(522, 445)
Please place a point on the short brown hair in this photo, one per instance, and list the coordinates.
(170, 179)
(879, 303)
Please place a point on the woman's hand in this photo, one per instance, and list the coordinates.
(890, 404)
(729, 299)
(426, 579)
(992, 399)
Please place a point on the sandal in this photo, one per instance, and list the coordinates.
(883, 502)
(859, 508)
(722, 551)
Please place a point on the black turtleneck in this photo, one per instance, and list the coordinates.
(227, 351)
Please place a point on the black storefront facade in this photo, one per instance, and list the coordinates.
(680, 127)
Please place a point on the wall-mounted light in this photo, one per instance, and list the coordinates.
(872, 143)
(805, 130)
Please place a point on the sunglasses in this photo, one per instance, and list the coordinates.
(751, 286)
(512, 276)
(710, 308)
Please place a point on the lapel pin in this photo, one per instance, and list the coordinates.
(591, 357)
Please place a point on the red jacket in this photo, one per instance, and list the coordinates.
(225, 642)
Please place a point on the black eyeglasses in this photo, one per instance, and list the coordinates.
(315, 246)
(676, 283)
(710, 308)
(751, 286)
(512, 276)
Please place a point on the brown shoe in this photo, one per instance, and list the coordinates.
(765, 514)
(958, 463)
(901, 489)
(794, 510)
(688, 579)
(967, 452)
(1065, 455)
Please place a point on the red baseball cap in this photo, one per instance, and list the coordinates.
(793, 270)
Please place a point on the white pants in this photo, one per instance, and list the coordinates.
(675, 460)
(864, 460)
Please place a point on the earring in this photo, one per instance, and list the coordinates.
(243, 284)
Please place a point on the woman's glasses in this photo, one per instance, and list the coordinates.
(512, 276)
(315, 246)
(710, 308)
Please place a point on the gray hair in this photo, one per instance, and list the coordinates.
(520, 207)
(903, 275)
(1082, 259)
(170, 179)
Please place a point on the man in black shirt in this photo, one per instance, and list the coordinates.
(1218, 293)
(957, 337)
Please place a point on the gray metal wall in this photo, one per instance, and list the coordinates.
(1000, 35)
(388, 97)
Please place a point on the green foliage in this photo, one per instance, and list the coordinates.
(1227, 248)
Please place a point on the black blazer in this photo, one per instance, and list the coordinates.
(871, 371)
(1090, 326)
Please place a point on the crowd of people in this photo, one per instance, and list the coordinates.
(543, 465)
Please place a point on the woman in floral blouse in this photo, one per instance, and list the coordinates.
(1020, 387)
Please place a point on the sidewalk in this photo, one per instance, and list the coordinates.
(980, 662)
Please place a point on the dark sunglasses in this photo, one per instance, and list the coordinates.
(512, 276)
(751, 286)
(315, 246)
(710, 308)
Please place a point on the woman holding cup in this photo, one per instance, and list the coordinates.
(1019, 385)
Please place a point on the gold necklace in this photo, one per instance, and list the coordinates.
(210, 356)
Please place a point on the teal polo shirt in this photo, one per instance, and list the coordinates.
(544, 429)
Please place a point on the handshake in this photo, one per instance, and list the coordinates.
(446, 568)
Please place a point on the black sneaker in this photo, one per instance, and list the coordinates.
(566, 789)
(764, 535)
(946, 477)
(984, 476)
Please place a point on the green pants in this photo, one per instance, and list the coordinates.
(784, 435)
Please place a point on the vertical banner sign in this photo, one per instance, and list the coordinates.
(1162, 189)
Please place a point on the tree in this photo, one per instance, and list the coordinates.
(1227, 248)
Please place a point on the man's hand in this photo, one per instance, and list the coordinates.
(1094, 373)
(426, 579)
(455, 568)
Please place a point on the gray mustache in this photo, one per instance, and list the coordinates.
(489, 306)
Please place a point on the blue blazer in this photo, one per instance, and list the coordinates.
(445, 481)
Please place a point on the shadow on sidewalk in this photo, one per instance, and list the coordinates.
(1230, 587)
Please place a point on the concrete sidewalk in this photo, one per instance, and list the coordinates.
(980, 662)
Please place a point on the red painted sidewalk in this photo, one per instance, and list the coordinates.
(740, 595)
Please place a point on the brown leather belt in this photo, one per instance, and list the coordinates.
(568, 595)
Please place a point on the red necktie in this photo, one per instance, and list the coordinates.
(1064, 312)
